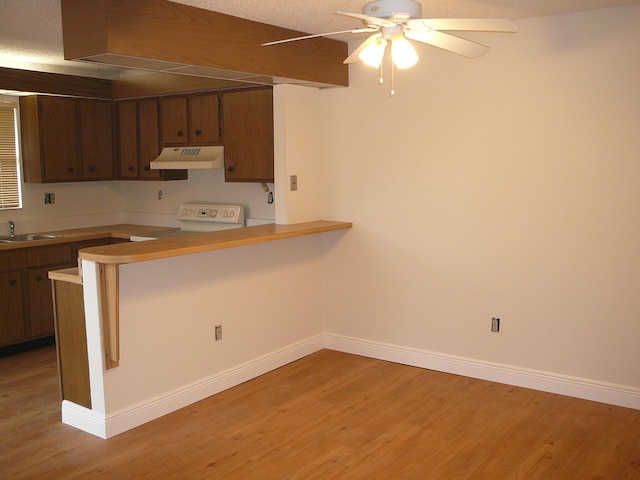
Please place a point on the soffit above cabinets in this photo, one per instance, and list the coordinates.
(168, 37)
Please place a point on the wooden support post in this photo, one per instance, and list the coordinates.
(109, 302)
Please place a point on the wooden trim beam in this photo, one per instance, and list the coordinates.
(54, 83)
(109, 313)
(172, 37)
(158, 84)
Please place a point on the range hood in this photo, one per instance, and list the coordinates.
(183, 158)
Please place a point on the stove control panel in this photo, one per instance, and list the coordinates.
(193, 212)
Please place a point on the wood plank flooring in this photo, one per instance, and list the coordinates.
(328, 416)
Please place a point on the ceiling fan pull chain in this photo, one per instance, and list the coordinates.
(393, 82)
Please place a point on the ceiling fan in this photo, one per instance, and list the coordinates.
(397, 21)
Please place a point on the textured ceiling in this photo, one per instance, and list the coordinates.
(31, 30)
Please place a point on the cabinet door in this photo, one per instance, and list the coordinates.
(126, 114)
(174, 120)
(11, 313)
(40, 301)
(58, 136)
(247, 117)
(148, 137)
(96, 139)
(204, 119)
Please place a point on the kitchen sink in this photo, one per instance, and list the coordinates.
(26, 237)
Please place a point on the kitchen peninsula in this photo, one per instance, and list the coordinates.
(151, 309)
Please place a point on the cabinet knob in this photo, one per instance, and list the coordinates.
(180, 133)
(38, 278)
(12, 282)
(92, 169)
(198, 132)
(147, 168)
(130, 168)
(70, 169)
(230, 168)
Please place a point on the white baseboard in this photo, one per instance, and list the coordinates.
(121, 421)
(84, 419)
(587, 389)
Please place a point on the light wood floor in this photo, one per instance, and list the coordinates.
(329, 415)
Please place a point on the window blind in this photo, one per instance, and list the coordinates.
(9, 175)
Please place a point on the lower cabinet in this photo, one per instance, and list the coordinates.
(26, 304)
(26, 311)
(12, 326)
(40, 317)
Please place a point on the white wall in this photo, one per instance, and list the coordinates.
(83, 204)
(297, 149)
(264, 296)
(502, 186)
(203, 186)
(87, 204)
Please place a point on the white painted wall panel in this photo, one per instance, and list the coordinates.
(502, 186)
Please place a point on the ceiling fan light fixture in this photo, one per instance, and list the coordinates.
(373, 54)
(402, 53)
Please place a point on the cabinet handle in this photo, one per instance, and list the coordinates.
(231, 169)
(12, 282)
(70, 169)
(92, 169)
(198, 132)
(179, 133)
(130, 169)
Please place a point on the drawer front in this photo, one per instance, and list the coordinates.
(38, 257)
(12, 260)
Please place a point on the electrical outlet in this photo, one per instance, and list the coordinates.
(218, 333)
(495, 324)
(293, 182)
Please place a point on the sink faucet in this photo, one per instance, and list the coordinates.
(12, 228)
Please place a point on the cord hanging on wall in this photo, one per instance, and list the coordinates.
(266, 188)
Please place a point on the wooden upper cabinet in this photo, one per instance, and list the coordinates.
(138, 141)
(190, 120)
(174, 120)
(127, 139)
(248, 135)
(204, 118)
(96, 137)
(66, 139)
(148, 137)
(49, 134)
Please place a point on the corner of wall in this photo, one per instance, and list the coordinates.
(297, 146)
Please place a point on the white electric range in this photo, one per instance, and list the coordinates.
(199, 218)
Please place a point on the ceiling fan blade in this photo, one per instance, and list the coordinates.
(467, 24)
(381, 22)
(454, 44)
(305, 37)
(354, 57)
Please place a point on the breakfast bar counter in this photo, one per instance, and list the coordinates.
(204, 242)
